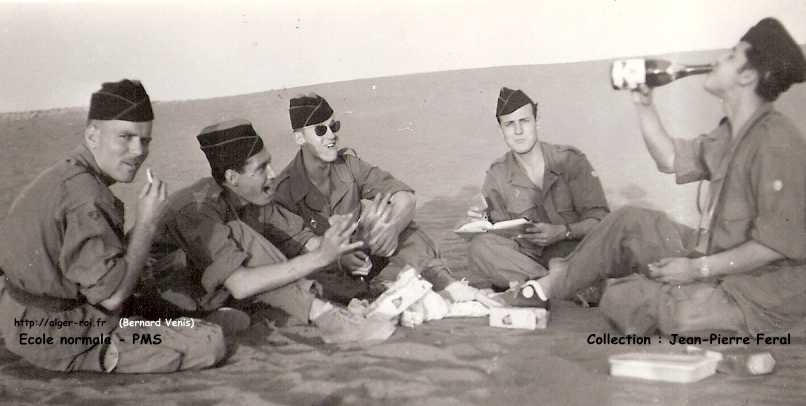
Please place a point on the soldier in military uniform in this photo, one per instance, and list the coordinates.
(68, 268)
(553, 186)
(744, 268)
(324, 179)
(236, 242)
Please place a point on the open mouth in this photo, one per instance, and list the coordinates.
(330, 145)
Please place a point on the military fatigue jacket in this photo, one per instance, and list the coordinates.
(196, 222)
(351, 180)
(62, 246)
(571, 189)
(757, 192)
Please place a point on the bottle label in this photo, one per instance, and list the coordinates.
(628, 74)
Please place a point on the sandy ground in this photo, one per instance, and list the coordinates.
(436, 132)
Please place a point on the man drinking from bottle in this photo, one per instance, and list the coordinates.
(744, 268)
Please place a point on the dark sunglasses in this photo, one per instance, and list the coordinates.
(321, 129)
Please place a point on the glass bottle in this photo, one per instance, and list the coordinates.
(628, 74)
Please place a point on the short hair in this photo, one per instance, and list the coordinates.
(219, 173)
(769, 86)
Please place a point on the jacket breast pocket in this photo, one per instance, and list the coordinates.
(521, 202)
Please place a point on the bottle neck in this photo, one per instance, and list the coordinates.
(697, 69)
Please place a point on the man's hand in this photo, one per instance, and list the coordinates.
(377, 211)
(478, 211)
(336, 241)
(151, 202)
(380, 234)
(543, 234)
(357, 263)
(674, 270)
(642, 95)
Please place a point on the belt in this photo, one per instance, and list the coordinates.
(47, 303)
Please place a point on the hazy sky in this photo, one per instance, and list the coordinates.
(57, 52)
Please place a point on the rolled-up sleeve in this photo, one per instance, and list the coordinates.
(689, 165)
(210, 245)
(586, 189)
(373, 180)
(286, 230)
(777, 175)
(93, 255)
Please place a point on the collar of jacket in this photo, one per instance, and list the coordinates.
(340, 177)
(517, 176)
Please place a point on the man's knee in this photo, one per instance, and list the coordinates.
(693, 308)
(631, 303)
(632, 214)
(414, 242)
(485, 247)
(215, 345)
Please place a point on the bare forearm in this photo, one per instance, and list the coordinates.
(136, 255)
(246, 282)
(657, 140)
(403, 210)
(744, 258)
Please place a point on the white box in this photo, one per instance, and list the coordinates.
(682, 368)
(406, 290)
(528, 318)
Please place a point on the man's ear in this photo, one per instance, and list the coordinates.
(231, 177)
(749, 77)
(299, 137)
(92, 135)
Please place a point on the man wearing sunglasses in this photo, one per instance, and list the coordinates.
(323, 180)
(232, 244)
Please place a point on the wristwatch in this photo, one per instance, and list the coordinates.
(568, 234)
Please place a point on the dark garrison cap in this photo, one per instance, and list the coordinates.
(229, 144)
(308, 110)
(510, 100)
(780, 57)
(126, 100)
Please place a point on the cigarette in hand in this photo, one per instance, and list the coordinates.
(149, 175)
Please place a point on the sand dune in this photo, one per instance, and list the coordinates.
(437, 132)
